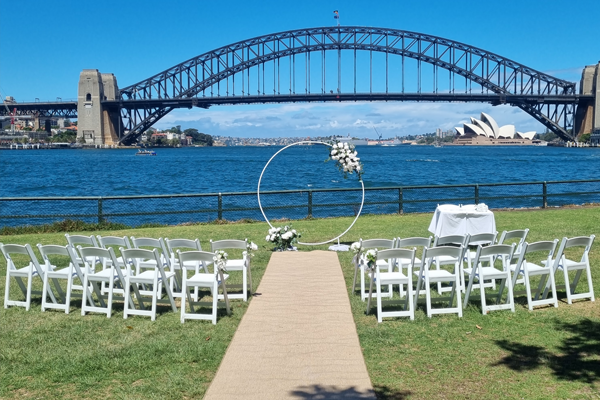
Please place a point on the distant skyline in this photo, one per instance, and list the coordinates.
(45, 45)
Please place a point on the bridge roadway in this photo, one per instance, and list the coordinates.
(68, 109)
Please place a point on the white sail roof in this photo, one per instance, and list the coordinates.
(507, 132)
(527, 135)
(486, 128)
(491, 123)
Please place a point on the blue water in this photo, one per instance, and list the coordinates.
(119, 172)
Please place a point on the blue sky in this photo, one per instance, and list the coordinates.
(44, 45)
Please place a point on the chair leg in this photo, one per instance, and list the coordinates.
(28, 296)
(379, 301)
(127, 296)
(528, 290)
(427, 296)
(215, 303)
(244, 284)
(184, 293)
(484, 310)
(44, 292)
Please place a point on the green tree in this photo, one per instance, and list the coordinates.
(199, 138)
(585, 138)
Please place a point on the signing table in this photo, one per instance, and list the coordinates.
(450, 219)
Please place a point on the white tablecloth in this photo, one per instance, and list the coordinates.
(450, 219)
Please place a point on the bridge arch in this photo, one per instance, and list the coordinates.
(213, 77)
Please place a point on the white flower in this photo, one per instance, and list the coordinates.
(345, 145)
(253, 246)
(333, 152)
(294, 231)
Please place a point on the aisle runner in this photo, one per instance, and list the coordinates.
(297, 339)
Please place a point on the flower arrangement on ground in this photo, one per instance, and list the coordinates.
(250, 249)
(283, 237)
(369, 258)
(220, 259)
(346, 158)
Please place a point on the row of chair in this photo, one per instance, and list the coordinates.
(451, 265)
(146, 266)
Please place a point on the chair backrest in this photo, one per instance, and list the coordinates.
(173, 244)
(228, 244)
(518, 235)
(25, 250)
(579, 241)
(483, 238)
(493, 252)
(392, 254)
(452, 240)
(544, 245)
(136, 256)
(378, 243)
(106, 241)
(414, 242)
(78, 240)
(101, 255)
(151, 244)
(185, 257)
(429, 254)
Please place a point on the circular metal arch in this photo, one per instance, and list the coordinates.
(267, 219)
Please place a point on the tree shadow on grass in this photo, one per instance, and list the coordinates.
(322, 392)
(577, 359)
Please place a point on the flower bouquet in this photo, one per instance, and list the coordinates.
(369, 259)
(283, 238)
(220, 259)
(346, 158)
(250, 249)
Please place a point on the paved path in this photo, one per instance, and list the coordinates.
(297, 339)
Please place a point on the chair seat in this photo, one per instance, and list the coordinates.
(148, 276)
(391, 278)
(106, 274)
(203, 279)
(24, 272)
(440, 275)
(235, 265)
(405, 261)
(61, 273)
(570, 264)
(532, 268)
(487, 272)
(445, 260)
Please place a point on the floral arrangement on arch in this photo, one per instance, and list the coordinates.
(220, 259)
(283, 237)
(346, 158)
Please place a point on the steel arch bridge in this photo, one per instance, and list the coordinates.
(346, 63)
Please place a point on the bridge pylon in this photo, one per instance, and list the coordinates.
(96, 125)
(587, 118)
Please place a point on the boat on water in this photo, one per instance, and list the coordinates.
(145, 153)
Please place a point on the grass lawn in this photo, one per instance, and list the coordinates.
(547, 353)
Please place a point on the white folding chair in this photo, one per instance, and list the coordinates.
(151, 244)
(518, 237)
(391, 257)
(418, 242)
(112, 275)
(185, 245)
(150, 277)
(379, 244)
(478, 239)
(26, 266)
(76, 241)
(240, 264)
(52, 256)
(479, 272)
(450, 240)
(566, 265)
(212, 281)
(427, 276)
(116, 242)
(527, 269)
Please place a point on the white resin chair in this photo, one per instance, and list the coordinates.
(479, 272)
(111, 274)
(518, 237)
(149, 277)
(478, 239)
(116, 242)
(26, 266)
(566, 265)
(184, 245)
(76, 241)
(391, 257)
(528, 269)
(151, 244)
(73, 273)
(418, 242)
(455, 241)
(239, 264)
(427, 275)
(211, 280)
(379, 244)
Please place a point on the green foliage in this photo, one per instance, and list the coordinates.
(199, 138)
(68, 225)
(548, 136)
(585, 138)
(64, 137)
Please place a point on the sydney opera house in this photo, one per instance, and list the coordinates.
(485, 131)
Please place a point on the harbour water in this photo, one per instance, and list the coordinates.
(118, 172)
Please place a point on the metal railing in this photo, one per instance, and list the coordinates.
(290, 204)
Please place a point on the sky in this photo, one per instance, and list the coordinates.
(44, 45)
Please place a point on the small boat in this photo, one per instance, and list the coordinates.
(145, 153)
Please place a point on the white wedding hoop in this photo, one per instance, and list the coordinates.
(269, 222)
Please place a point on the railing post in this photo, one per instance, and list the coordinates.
(476, 194)
(400, 201)
(100, 217)
(220, 208)
(544, 195)
(310, 206)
